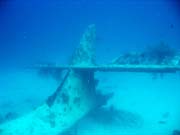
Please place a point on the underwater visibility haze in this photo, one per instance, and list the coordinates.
(90, 67)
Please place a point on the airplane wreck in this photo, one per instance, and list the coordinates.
(76, 95)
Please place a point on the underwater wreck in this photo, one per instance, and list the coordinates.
(76, 95)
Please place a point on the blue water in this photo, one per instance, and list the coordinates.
(43, 31)
(33, 29)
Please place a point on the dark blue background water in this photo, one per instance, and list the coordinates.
(40, 31)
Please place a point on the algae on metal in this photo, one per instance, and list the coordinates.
(72, 100)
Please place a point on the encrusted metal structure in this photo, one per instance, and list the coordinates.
(76, 96)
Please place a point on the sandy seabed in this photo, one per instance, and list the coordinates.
(153, 98)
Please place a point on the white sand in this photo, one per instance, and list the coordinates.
(156, 101)
(21, 91)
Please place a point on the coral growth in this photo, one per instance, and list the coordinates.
(176, 132)
(161, 54)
